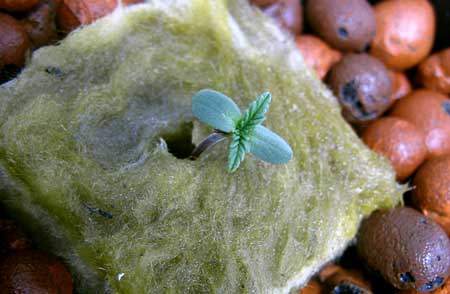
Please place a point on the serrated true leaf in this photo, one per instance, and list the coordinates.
(255, 114)
(238, 147)
(216, 110)
(268, 146)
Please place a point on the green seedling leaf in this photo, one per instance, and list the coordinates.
(255, 114)
(216, 110)
(268, 146)
(238, 147)
(220, 112)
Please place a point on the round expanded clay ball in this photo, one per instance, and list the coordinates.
(432, 190)
(317, 54)
(434, 72)
(405, 32)
(17, 5)
(362, 85)
(34, 272)
(288, 14)
(408, 249)
(347, 25)
(14, 41)
(398, 140)
(430, 112)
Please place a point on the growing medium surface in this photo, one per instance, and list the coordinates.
(94, 131)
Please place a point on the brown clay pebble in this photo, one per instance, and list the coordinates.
(263, 3)
(398, 140)
(430, 112)
(400, 85)
(40, 25)
(405, 32)
(17, 5)
(313, 287)
(408, 249)
(347, 25)
(34, 272)
(432, 190)
(362, 85)
(14, 41)
(288, 14)
(73, 13)
(434, 72)
(317, 54)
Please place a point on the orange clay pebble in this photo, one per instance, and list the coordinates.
(400, 85)
(73, 13)
(430, 112)
(434, 72)
(288, 14)
(14, 41)
(347, 25)
(398, 140)
(432, 190)
(327, 271)
(405, 32)
(317, 54)
(17, 5)
(313, 287)
(34, 272)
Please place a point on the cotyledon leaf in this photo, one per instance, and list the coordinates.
(268, 146)
(216, 110)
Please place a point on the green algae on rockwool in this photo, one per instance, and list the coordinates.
(111, 133)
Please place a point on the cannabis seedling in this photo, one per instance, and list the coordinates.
(246, 132)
